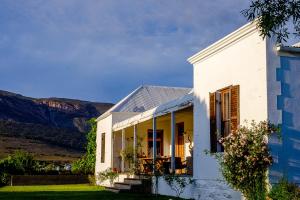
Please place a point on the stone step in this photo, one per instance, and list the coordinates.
(135, 185)
(112, 189)
(120, 185)
(133, 181)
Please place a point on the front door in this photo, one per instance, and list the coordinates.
(179, 144)
(159, 143)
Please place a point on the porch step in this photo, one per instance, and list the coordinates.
(120, 185)
(112, 189)
(131, 185)
(133, 181)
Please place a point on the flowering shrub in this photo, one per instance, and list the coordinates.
(108, 174)
(246, 159)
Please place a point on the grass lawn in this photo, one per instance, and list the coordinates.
(64, 192)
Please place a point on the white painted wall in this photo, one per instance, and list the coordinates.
(283, 104)
(240, 63)
(104, 126)
(273, 86)
(200, 190)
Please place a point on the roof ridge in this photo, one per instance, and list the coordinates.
(171, 87)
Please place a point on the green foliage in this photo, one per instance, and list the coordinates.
(273, 17)
(285, 191)
(92, 179)
(4, 178)
(16, 164)
(128, 155)
(108, 174)
(86, 165)
(246, 159)
(178, 183)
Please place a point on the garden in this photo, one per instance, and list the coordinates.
(244, 166)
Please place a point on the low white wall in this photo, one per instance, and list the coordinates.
(120, 178)
(200, 190)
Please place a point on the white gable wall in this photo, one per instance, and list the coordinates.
(104, 126)
(240, 63)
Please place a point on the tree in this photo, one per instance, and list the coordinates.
(86, 164)
(273, 17)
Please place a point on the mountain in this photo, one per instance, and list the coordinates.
(58, 122)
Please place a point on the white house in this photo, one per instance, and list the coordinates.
(240, 77)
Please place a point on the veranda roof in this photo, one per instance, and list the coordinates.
(174, 105)
(146, 97)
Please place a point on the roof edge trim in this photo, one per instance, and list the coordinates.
(288, 49)
(225, 41)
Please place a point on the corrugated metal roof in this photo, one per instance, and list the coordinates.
(176, 104)
(146, 97)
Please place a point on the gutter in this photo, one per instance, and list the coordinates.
(288, 49)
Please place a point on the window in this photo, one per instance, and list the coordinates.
(224, 114)
(159, 143)
(102, 147)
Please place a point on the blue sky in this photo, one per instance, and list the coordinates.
(100, 50)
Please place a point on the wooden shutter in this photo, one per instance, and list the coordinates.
(235, 108)
(102, 147)
(212, 118)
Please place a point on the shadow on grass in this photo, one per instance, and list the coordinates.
(76, 195)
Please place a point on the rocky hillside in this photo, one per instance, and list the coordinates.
(55, 121)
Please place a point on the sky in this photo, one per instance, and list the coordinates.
(101, 50)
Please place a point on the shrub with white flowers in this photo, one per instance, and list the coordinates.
(246, 159)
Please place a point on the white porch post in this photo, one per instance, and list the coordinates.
(123, 149)
(154, 143)
(134, 142)
(173, 121)
(112, 149)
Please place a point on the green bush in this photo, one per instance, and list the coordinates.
(18, 163)
(92, 179)
(246, 159)
(86, 164)
(4, 179)
(285, 191)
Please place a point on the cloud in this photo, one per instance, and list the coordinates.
(101, 50)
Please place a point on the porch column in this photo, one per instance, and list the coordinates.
(173, 121)
(111, 149)
(134, 142)
(154, 142)
(123, 149)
